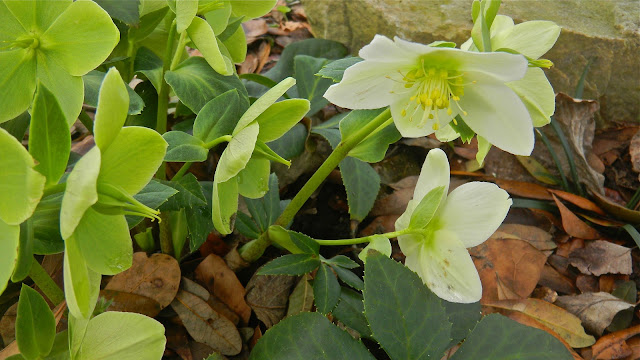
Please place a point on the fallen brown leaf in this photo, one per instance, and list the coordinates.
(268, 296)
(178, 341)
(618, 211)
(396, 202)
(301, 298)
(578, 201)
(130, 302)
(524, 189)
(255, 28)
(634, 151)
(596, 310)
(614, 345)
(634, 344)
(551, 278)
(573, 225)
(535, 236)
(602, 257)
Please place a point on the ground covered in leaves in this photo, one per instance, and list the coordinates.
(565, 260)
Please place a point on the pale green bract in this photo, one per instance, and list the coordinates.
(441, 227)
(428, 86)
(56, 42)
(101, 187)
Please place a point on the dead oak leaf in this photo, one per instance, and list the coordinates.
(596, 310)
(602, 257)
(268, 295)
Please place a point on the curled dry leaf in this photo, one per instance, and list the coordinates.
(578, 201)
(268, 296)
(535, 236)
(573, 225)
(178, 341)
(618, 211)
(224, 284)
(301, 299)
(517, 264)
(614, 345)
(602, 257)
(596, 310)
(157, 277)
(552, 279)
(524, 189)
(564, 323)
(130, 302)
(205, 325)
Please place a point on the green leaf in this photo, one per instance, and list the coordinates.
(111, 112)
(335, 69)
(253, 180)
(94, 79)
(401, 310)
(179, 231)
(35, 325)
(310, 86)
(262, 80)
(68, 89)
(362, 184)
(263, 103)
(304, 243)
(25, 252)
(123, 10)
(81, 284)
(463, 318)
(19, 67)
(104, 242)
(626, 291)
(81, 38)
(280, 117)
(292, 143)
(190, 194)
(60, 349)
(205, 40)
(199, 224)
(292, 264)
(218, 117)
(46, 226)
(219, 17)
(235, 44)
(224, 204)
(285, 338)
(350, 311)
(374, 147)
(184, 147)
(348, 277)
(185, 13)
(237, 154)
(81, 191)
(21, 187)
(155, 194)
(252, 8)
(148, 64)
(379, 243)
(147, 24)
(326, 289)
(49, 137)
(123, 336)
(9, 242)
(32, 14)
(125, 166)
(497, 337)
(459, 126)
(342, 261)
(426, 209)
(246, 226)
(196, 83)
(17, 126)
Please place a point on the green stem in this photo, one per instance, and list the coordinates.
(364, 239)
(257, 247)
(177, 56)
(166, 244)
(54, 189)
(211, 144)
(163, 94)
(40, 276)
(86, 121)
(183, 170)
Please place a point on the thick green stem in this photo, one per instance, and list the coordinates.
(86, 121)
(40, 276)
(54, 189)
(361, 240)
(166, 244)
(254, 249)
(163, 94)
(177, 56)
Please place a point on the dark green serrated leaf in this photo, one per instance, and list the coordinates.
(362, 184)
(350, 311)
(147, 24)
(25, 252)
(374, 147)
(342, 261)
(184, 147)
(153, 195)
(335, 69)
(463, 317)
(308, 336)
(46, 226)
(401, 311)
(123, 10)
(218, 117)
(196, 83)
(326, 289)
(293, 264)
(304, 243)
(17, 126)
(497, 337)
(189, 194)
(93, 81)
(266, 210)
(35, 325)
(291, 144)
(149, 64)
(200, 225)
(149, 115)
(310, 86)
(348, 277)
(246, 226)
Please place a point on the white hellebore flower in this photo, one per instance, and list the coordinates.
(427, 86)
(439, 228)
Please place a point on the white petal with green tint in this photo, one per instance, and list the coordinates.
(113, 105)
(383, 49)
(473, 211)
(538, 96)
(278, 118)
(68, 89)
(253, 180)
(21, 187)
(224, 204)
(17, 82)
(123, 336)
(9, 241)
(445, 266)
(263, 103)
(252, 8)
(237, 154)
(81, 284)
(483, 149)
(104, 242)
(125, 165)
(496, 113)
(81, 38)
(365, 86)
(434, 173)
(446, 133)
(81, 191)
(37, 15)
(205, 40)
(530, 38)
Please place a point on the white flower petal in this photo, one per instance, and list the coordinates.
(365, 86)
(383, 49)
(446, 134)
(445, 266)
(496, 113)
(413, 47)
(474, 211)
(530, 38)
(403, 221)
(538, 96)
(434, 173)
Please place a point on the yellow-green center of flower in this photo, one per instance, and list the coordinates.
(434, 89)
(27, 41)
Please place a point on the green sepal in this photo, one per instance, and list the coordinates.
(35, 325)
